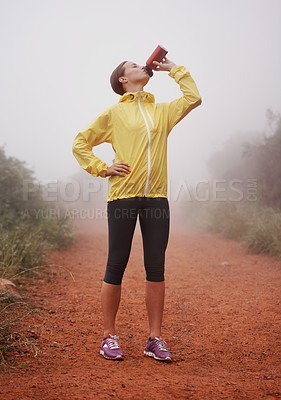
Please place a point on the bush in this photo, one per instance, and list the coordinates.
(27, 235)
(12, 175)
(264, 236)
(58, 231)
(258, 227)
(21, 249)
(230, 219)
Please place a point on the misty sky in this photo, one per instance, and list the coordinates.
(57, 57)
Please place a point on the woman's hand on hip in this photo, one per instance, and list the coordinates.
(118, 169)
(164, 65)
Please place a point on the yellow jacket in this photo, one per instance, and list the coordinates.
(138, 130)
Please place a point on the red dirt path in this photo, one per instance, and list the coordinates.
(221, 322)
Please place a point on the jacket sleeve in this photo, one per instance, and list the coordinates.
(179, 108)
(97, 132)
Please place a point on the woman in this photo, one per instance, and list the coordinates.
(138, 130)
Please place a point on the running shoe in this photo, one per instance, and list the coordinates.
(110, 348)
(157, 349)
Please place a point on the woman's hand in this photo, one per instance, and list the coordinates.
(118, 169)
(164, 65)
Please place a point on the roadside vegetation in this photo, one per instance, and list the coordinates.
(243, 198)
(30, 230)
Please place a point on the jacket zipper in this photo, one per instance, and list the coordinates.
(150, 117)
(149, 140)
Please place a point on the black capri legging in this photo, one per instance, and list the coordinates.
(154, 217)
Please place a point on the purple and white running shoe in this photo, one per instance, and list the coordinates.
(110, 348)
(157, 349)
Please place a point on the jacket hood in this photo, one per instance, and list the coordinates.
(133, 96)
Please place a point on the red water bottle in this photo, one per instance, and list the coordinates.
(158, 55)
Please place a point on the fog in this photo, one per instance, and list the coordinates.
(57, 57)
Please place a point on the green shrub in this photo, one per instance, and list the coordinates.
(27, 237)
(21, 249)
(230, 219)
(256, 226)
(12, 204)
(58, 231)
(28, 230)
(264, 236)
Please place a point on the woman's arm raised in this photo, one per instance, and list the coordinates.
(177, 109)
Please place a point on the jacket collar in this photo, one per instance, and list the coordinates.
(133, 96)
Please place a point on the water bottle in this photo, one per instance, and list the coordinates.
(158, 55)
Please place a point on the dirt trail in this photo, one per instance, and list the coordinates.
(221, 322)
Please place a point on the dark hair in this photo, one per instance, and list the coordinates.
(115, 84)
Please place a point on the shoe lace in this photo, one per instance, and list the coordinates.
(112, 342)
(161, 343)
